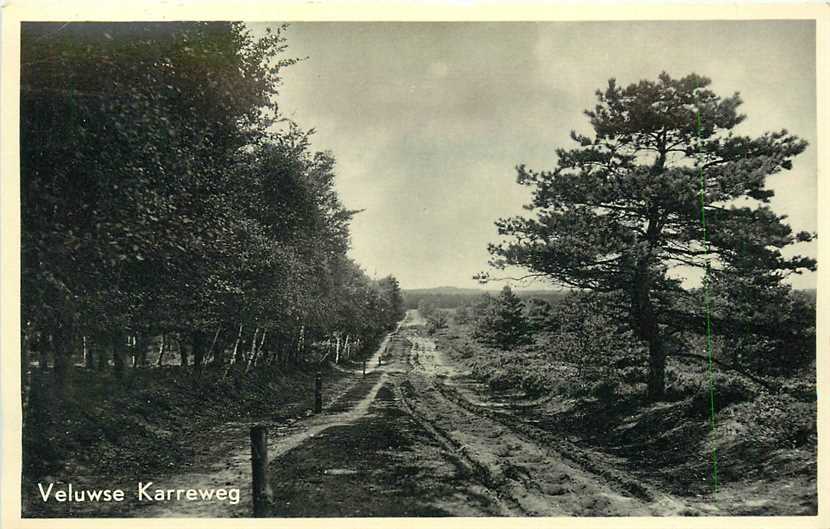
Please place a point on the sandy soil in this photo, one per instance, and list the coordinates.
(427, 446)
(417, 436)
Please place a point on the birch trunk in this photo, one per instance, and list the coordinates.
(210, 354)
(253, 351)
(236, 346)
(162, 347)
(337, 349)
(232, 360)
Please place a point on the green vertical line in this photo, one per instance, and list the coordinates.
(708, 308)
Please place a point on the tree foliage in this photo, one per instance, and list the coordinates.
(664, 182)
(162, 192)
(503, 322)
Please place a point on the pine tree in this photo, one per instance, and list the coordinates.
(664, 181)
(508, 324)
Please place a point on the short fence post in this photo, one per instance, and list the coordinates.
(318, 393)
(259, 465)
(364, 367)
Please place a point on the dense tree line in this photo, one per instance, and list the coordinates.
(162, 195)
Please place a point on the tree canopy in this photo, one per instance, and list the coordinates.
(162, 191)
(663, 182)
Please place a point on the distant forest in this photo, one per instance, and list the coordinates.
(453, 297)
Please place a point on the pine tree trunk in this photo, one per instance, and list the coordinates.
(649, 332)
(656, 361)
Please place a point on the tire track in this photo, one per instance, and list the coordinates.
(507, 506)
(563, 448)
(532, 471)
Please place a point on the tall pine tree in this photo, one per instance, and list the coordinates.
(626, 204)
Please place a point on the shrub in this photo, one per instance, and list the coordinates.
(605, 391)
(728, 388)
(779, 420)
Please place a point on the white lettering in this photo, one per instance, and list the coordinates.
(142, 491)
(45, 494)
(208, 494)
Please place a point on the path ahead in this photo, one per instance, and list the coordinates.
(413, 437)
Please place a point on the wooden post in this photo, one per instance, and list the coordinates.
(318, 393)
(364, 367)
(259, 465)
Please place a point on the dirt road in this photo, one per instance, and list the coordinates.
(416, 439)
(415, 436)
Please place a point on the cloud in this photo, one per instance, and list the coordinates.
(428, 120)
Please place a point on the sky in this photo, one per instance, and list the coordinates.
(427, 121)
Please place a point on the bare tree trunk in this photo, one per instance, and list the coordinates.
(210, 354)
(46, 342)
(273, 357)
(131, 340)
(117, 343)
(90, 361)
(27, 347)
(236, 345)
(182, 350)
(141, 343)
(261, 345)
(85, 351)
(301, 345)
(162, 347)
(235, 352)
(251, 353)
(61, 347)
(337, 349)
(197, 340)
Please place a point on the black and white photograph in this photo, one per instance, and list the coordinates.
(417, 269)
